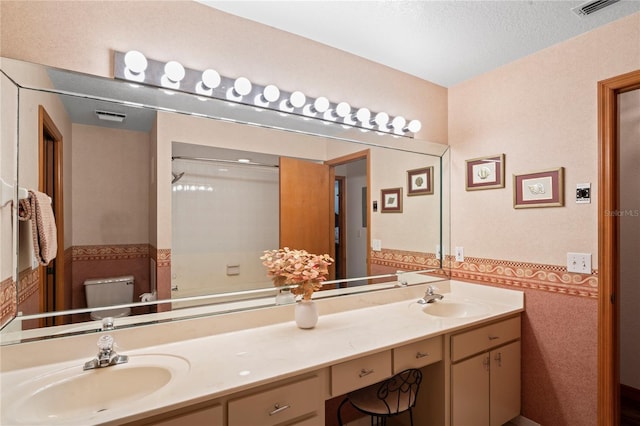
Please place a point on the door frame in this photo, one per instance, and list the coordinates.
(609, 261)
(47, 127)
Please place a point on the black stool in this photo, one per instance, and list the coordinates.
(388, 398)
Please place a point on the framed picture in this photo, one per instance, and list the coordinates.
(420, 181)
(485, 173)
(539, 189)
(391, 200)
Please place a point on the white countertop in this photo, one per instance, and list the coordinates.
(226, 363)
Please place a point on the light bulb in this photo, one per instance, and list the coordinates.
(242, 86)
(271, 93)
(135, 65)
(174, 71)
(398, 123)
(363, 115)
(210, 80)
(381, 119)
(343, 109)
(297, 99)
(321, 104)
(414, 126)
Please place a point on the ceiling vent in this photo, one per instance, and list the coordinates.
(111, 116)
(592, 7)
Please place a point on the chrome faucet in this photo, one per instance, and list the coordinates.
(430, 296)
(106, 355)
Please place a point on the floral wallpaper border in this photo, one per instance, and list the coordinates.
(551, 278)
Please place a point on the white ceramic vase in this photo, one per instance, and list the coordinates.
(306, 314)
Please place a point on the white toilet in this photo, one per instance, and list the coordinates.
(107, 292)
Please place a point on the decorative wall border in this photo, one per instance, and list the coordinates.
(110, 252)
(8, 308)
(551, 278)
(28, 284)
(161, 256)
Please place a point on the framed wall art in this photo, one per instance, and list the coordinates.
(485, 172)
(420, 181)
(391, 200)
(539, 189)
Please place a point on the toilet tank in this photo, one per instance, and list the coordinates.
(109, 291)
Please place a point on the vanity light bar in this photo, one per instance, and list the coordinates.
(172, 76)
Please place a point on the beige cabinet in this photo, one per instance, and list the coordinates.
(418, 354)
(360, 372)
(203, 416)
(485, 386)
(297, 403)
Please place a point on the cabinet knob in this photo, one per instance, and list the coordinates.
(421, 354)
(494, 337)
(278, 408)
(365, 372)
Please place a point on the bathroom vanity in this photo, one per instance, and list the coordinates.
(258, 368)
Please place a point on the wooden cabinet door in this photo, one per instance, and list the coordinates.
(306, 206)
(470, 391)
(505, 383)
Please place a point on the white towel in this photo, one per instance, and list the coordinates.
(37, 208)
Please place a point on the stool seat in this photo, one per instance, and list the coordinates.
(387, 398)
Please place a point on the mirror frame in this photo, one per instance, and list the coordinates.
(242, 115)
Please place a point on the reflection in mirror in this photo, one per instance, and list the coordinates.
(139, 198)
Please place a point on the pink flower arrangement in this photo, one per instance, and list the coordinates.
(288, 267)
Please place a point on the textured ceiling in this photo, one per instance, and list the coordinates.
(445, 42)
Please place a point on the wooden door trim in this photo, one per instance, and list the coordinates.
(46, 125)
(360, 155)
(608, 263)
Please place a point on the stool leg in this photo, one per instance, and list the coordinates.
(344, 401)
(411, 415)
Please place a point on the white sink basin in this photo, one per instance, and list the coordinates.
(71, 394)
(455, 309)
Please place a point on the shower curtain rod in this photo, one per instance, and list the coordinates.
(218, 160)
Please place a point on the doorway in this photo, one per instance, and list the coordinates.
(609, 245)
(51, 277)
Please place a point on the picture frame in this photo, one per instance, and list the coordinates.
(485, 172)
(539, 189)
(391, 200)
(420, 181)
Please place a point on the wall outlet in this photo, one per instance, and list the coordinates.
(459, 254)
(579, 263)
(376, 245)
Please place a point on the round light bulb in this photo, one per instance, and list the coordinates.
(343, 109)
(271, 93)
(211, 79)
(297, 99)
(398, 123)
(363, 115)
(381, 119)
(174, 71)
(414, 126)
(242, 86)
(135, 61)
(321, 104)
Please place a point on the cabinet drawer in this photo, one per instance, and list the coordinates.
(277, 405)
(205, 416)
(361, 372)
(484, 338)
(418, 354)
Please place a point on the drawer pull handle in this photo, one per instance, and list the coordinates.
(494, 337)
(421, 354)
(365, 372)
(279, 409)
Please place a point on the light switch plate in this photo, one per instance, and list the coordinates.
(579, 263)
(376, 245)
(459, 254)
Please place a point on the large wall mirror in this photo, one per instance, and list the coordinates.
(178, 197)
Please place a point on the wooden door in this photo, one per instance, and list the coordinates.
(505, 383)
(306, 207)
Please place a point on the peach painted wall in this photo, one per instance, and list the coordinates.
(629, 104)
(540, 112)
(110, 187)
